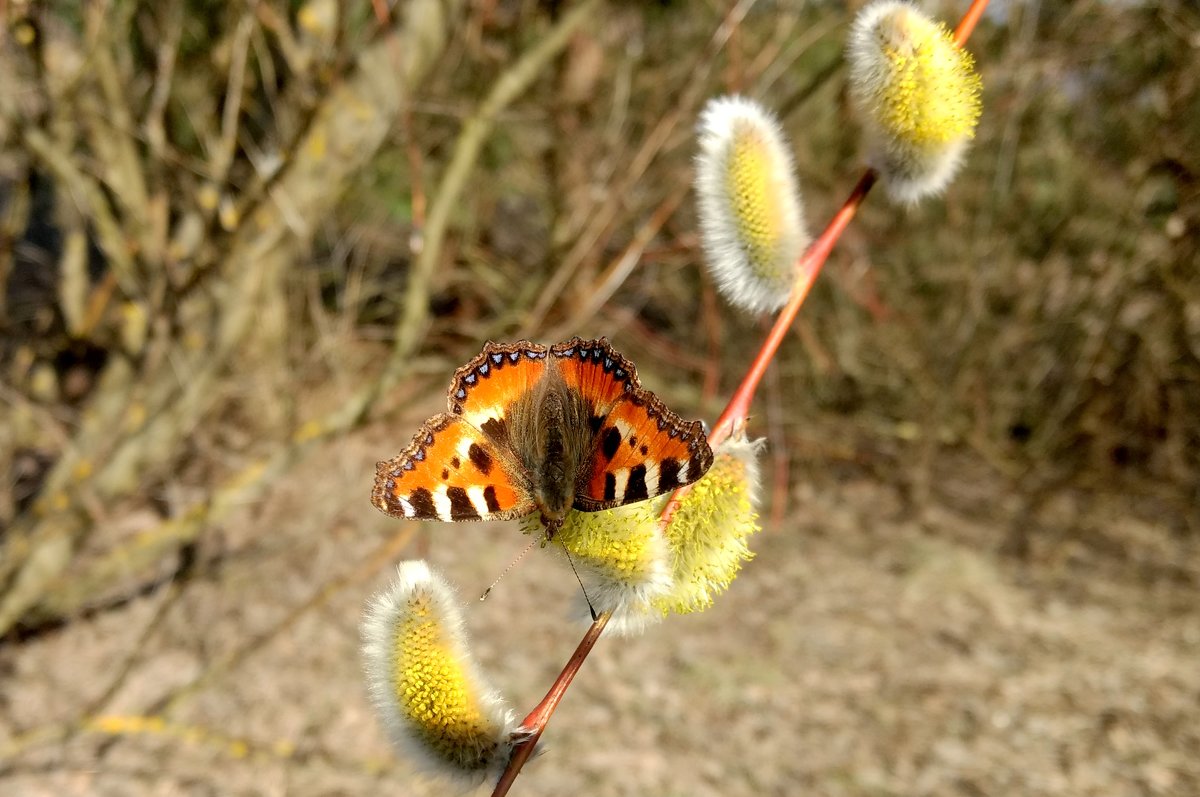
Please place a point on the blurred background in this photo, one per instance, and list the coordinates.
(245, 244)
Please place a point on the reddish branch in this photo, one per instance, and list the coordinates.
(533, 725)
(732, 419)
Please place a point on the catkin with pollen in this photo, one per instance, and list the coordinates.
(751, 219)
(917, 95)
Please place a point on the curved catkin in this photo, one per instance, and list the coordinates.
(425, 686)
(708, 532)
(917, 94)
(751, 219)
(621, 558)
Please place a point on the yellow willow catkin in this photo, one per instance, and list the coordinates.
(751, 218)
(708, 532)
(918, 96)
(630, 565)
(427, 690)
(622, 561)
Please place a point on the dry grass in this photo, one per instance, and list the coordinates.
(981, 572)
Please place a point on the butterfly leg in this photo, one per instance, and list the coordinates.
(552, 526)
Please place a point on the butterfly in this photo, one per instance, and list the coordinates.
(545, 429)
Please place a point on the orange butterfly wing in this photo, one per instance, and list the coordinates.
(483, 389)
(641, 448)
(452, 471)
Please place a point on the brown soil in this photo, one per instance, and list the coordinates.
(871, 648)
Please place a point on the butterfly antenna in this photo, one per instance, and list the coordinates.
(591, 608)
(508, 569)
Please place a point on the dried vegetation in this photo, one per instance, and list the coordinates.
(239, 234)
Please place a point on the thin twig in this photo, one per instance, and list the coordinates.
(515, 80)
(173, 399)
(114, 130)
(622, 266)
(602, 217)
(732, 420)
(966, 26)
(533, 724)
(93, 205)
(168, 52)
(222, 159)
(808, 267)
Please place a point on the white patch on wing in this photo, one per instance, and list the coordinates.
(622, 427)
(651, 478)
(441, 502)
(621, 477)
(464, 448)
(478, 416)
(478, 501)
(406, 507)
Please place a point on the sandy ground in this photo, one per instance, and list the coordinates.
(869, 649)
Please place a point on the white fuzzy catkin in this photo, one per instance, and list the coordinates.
(426, 688)
(622, 561)
(917, 95)
(751, 218)
(707, 535)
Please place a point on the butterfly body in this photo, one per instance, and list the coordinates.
(546, 429)
(548, 432)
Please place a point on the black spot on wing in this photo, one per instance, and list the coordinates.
(422, 503)
(496, 428)
(595, 422)
(668, 475)
(610, 487)
(611, 442)
(480, 458)
(489, 496)
(635, 489)
(445, 474)
(461, 507)
(455, 463)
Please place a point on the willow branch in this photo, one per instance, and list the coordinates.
(808, 267)
(533, 724)
(732, 419)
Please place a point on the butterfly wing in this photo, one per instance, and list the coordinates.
(640, 447)
(483, 390)
(452, 471)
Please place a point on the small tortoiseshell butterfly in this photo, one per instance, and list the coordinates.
(542, 428)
